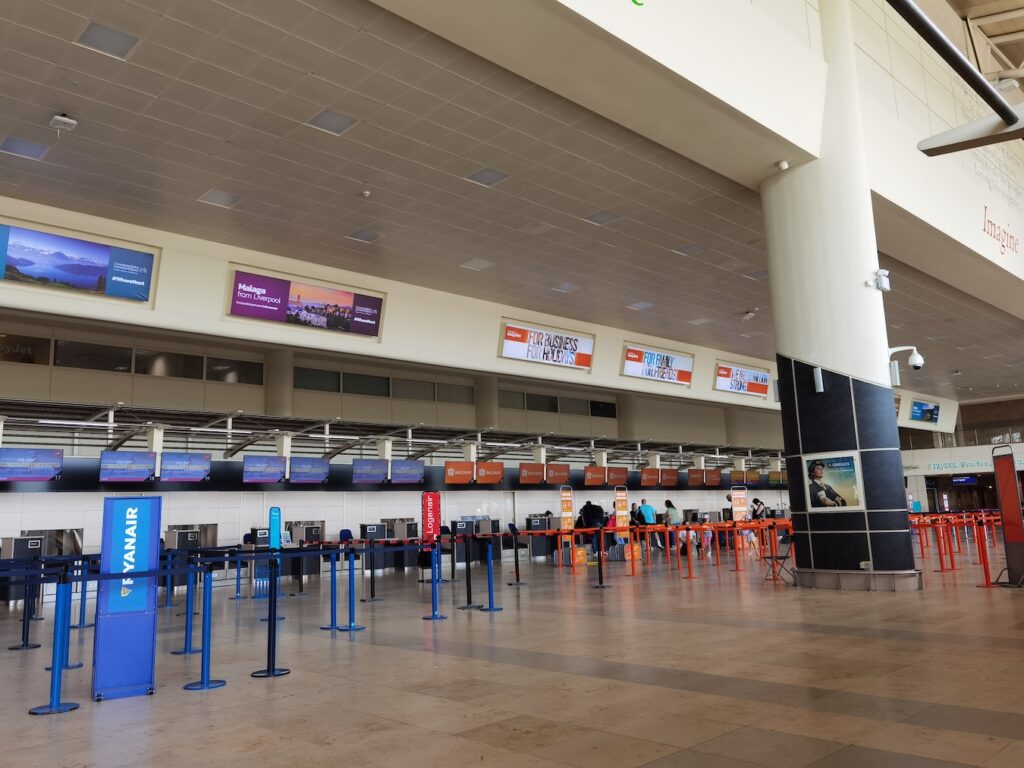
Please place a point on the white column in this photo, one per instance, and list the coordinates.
(821, 233)
(278, 382)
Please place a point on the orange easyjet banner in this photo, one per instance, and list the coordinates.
(618, 475)
(531, 474)
(458, 472)
(558, 474)
(670, 478)
(594, 476)
(490, 472)
(650, 477)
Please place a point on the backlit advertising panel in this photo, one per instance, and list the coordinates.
(490, 472)
(57, 261)
(618, 475)
(643, 362)
(314, 306)
(550, 346)
(531, 474)
(743, 381)
(594, 475)
(558, 474)
(459, 472)
(670, 478)
(650, 477)
(833, 481)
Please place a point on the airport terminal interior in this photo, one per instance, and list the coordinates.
(512, 383)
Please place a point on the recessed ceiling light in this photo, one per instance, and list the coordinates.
(689, 249)
(107, 40)
(363, 236)
(219, 198)
(477, 265)
(640, 305)
(601, 217)
(750, 314)
(701, 321)
(760, 274)
(332, 122)
(566, 288)
(487, 177)
(23, 148)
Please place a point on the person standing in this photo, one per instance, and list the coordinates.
(672, 517)
(648, 516)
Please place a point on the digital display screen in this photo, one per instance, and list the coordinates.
(309, 469)
(127, 466)
(185, 467)
(924, 412)
(407, 471)
(369, 470)
(965, 480)
(263, 469)
(30, 465)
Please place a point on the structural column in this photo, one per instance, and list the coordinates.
(278, 382)
(834, 387)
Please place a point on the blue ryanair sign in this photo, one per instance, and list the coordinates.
(124, 652)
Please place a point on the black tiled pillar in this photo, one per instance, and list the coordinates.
(849, 418)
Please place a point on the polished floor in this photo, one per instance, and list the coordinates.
(725, 671)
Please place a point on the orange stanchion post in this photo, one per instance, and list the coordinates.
(940, 545)
(680, 543)
(949, 545)
(718, 548)
(737, 548)
(983, 557)
(647, 542)
(632, 553)
(689, 555)
(921, 538)
(773, 550)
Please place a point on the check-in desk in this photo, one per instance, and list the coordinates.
(18, 548)
(541, 546)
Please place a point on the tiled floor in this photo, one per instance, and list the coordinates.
(725, 671)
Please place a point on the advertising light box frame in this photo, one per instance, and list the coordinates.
(853, 482)
(630, 367)
(720, 364)
(587, 358)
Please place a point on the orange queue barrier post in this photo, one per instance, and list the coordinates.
(718, 548)
(737, 548)
(983, 557)
(940, 545)
(689, 555)
(949, 530)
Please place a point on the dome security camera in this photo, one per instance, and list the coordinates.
(916, 360)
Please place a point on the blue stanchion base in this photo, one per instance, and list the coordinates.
(198, 685)
(279, 618)
(351, 628)
(330, 627)
(277, 672)
(186, 651)
(60, 709)
(82, 626)
(491, 610)
(470, 607)
(19, 647)
(72, 665)
(370, 599)
(439, 617)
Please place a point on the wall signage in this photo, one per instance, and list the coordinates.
(57, 261)
(744, 381)
(431, 520)
(531, 474)
(567, 349)
(657, 365)
(1001, 235)
(594, 475)
(833, 482)
(670, 478)
(557, 474)
(458, 472)
(618, 475)
(313, 306)
(924, 412)
(490, 472)
(649, 477)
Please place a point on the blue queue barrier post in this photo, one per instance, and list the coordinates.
(334, 593)
(66, 629)
(190, 601)
(27, 609)
(491, 608)
(62, 618)
(351, 626)
(279, 560)
(435, 578)
(238, 575)
(205, 683)
(470, 605)
(272, 669)
(82, 596)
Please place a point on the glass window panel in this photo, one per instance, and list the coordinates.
(574, 406)
(455, 393)
(363, 384)
(509, 399)
(149, 362)
(233, 371)
(93, 357)
(545, 403)
(602, 409)
(411, 389)
(317, 380)
(24, 349)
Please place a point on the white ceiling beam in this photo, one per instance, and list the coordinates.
(995, 18)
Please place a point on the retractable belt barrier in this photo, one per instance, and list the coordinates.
(951, 531)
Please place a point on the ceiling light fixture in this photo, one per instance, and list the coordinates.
(106, 40)
(640, 306)
(487, 177)
(565, 288)
(689, 249)
(364, 236)
(601, 218)
(332, 122)
(23, 148)
(219, 198)
(750, 314)
(477, 265)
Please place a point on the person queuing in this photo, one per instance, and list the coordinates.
(647, 515)
(758, 510)
(592, 516)
(672, 517)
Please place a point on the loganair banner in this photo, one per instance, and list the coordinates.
(544, 345)
(656, 365)
(745, 381)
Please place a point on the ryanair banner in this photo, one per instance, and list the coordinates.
(124, 652)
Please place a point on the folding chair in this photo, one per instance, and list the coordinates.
(777, 563)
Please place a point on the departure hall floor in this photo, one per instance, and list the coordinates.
(725, 671)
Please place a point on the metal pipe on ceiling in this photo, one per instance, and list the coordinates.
(942, 45)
